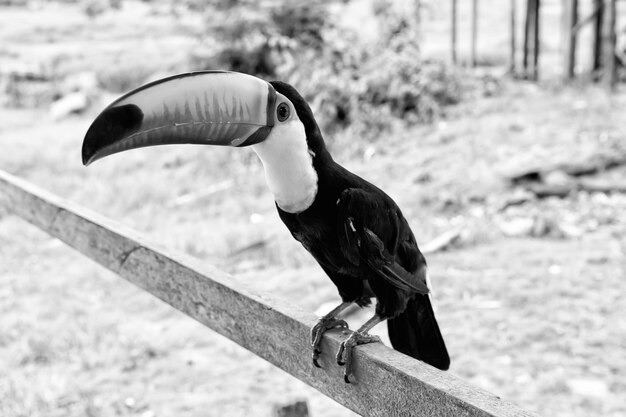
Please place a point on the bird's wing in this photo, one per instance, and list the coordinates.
(373, 233)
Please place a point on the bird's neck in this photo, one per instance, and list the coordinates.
(289, 170)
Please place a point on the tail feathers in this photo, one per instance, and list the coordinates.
(416, 333)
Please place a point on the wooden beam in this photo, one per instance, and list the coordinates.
(387, 383)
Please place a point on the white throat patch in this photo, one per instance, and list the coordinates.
(288, 165)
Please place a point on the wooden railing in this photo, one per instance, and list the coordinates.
(387, 383)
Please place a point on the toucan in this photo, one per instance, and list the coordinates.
(355, 232)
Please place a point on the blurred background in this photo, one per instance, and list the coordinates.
(513, 179)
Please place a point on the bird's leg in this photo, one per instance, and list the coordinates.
(327, 322)
(360, 337)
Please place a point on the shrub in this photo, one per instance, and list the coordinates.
(368, 86)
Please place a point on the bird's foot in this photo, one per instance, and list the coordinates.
(344, 355)
(325, 323)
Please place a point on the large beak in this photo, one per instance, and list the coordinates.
(210, 108)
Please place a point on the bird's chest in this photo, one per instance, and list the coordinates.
(318, 235)
(313, 234)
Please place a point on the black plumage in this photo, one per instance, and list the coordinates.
(353, 229)
(362, 241)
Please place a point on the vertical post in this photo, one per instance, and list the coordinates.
(454, 32)
(528, 33)
(597, 35)
(535, 74)
(474, 30)
(609, 76)
(513, 37)
(570, 11)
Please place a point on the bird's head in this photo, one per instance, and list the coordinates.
(209, 108)
(314, 139)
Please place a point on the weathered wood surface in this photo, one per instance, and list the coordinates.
(387, 383)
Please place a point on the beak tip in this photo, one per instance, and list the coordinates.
(109, 127)
(88, 153)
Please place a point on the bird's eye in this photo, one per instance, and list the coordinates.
(282, 112)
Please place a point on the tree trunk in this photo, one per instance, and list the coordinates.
(454, 32)
(597, 35)
(527, 32)
(531, 39)
(569, 38)
(474, 30)
(513, 37)
(609, 76)
(536, 42)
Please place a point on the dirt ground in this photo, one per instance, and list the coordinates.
(533, 314)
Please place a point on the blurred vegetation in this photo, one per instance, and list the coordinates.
(368, 85)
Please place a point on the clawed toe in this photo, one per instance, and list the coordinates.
(325, 324)
(342, 350)
(316, 355)
(318, 331)
(344, 354)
